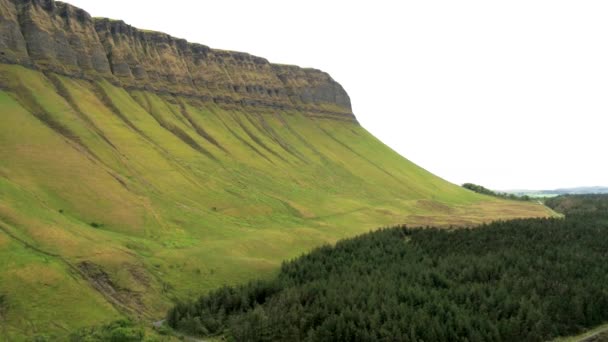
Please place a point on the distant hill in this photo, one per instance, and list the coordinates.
(584, 190)
(581, 190)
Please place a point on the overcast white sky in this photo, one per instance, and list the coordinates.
(507, 94)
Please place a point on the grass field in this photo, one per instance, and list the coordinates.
(116, 202)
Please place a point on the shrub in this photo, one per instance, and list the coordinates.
(117, 331)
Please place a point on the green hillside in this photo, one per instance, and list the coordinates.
(119, 202)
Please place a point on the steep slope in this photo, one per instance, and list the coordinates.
(137, 169)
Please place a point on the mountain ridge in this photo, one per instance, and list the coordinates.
(54, 36)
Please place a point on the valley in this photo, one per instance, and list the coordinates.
(517, 280)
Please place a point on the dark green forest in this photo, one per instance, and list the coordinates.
(579, 204)
(520, 280)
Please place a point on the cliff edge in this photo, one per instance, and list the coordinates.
(53, 36)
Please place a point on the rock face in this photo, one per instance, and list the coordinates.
(57, 37)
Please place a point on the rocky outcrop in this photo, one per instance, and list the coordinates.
(51, 36)
(12, 43)
(57, 37)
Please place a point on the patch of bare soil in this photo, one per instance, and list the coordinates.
(122, 298)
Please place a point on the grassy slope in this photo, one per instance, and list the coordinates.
(188, 196)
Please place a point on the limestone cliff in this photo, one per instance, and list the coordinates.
(52, 36)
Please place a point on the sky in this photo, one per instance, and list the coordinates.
(506, 94)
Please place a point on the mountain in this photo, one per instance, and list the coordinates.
(138, 169)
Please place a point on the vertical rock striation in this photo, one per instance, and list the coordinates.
(57, 37)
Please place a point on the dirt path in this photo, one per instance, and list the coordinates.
(599, 334)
